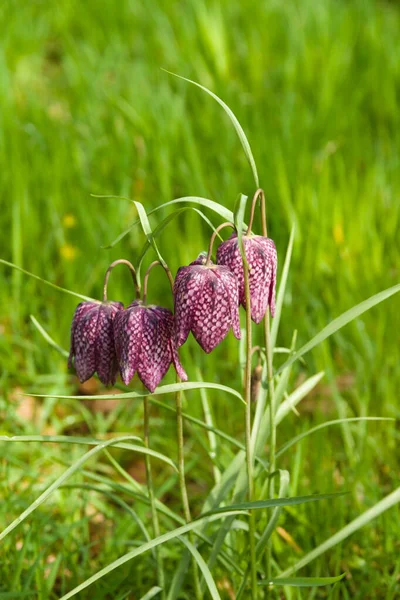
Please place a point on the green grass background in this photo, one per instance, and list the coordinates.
(85, 109)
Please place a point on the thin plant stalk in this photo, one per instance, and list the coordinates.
(271, 389)
(150, 488)
(249, 457)
(183, 490)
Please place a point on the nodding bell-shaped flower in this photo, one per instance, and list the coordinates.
(144, 342)
(92, 341)
(206, 303)
(262, 260)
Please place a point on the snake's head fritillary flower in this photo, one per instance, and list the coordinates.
(262, 260)
(145, 343)
(206, 303)
(92, 341)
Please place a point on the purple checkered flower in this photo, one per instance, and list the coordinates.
(144, 342)
(262, 259)
(206, 303)
(92, 341)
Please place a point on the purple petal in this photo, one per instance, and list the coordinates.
(187, 289)
(128, 330)
(105, 357)
(232, 293)
(211, 313)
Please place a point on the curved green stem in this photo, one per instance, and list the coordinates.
(154, 516)
(182, 486)
(249, 457)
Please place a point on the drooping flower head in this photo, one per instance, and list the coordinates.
(206, 303)
(92, 341)
(92, 336)
(145, 341)
(262, 260)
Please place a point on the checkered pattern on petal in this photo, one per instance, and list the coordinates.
(106, 360)
(206, 302)
(156, 354)
(262, 259)
(92, 341)
(144, 340)
(128, 328)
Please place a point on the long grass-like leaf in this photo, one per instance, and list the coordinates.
(281, 291)
(301, 436)
(162, 539)
(161, 390)
(152, 593)
(303, 581)
(258, 504)
(48, 339)
(365, 518)
(208, 578)
(340, 322)
(219, 209)
(70, 471)
(239, 130)
(53, 285)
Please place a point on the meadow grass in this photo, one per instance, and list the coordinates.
(85, 109)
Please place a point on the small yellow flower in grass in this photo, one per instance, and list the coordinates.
(68, 252)
(338, 234)
(69, 221)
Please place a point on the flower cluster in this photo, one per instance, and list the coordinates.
(145, 339)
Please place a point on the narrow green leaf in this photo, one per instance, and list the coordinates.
(161, 226)
(365, 518)
(203, 567)
(162, 539)
(301, 436)
(258, 504)
(53, 285)
(239, 211)
(48, 339)
(219, 209)
(151, 593)
(242, 136)
(163, 389)
(281, 291)
(70, 471)
(303, 581)
(284, 480)
(340, 322)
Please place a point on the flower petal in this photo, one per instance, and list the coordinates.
(155, 353)
(105, 356)
(128, 329)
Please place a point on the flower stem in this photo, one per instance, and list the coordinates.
(182, 485)
(120, 261)
(154, 516)
(212, 240)
(271, 392)
(249, 457)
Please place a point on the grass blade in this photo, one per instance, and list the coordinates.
(48, 339)
(53, 285)
(70, 471)
(340, 322)
(208, 578)
(281, 291)
(242, 136)
(219, 209)
(304, 581)
(151, 593)
(327, 424)
(162, 539)
(258, 504)
(365, 518)
(161, 390)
